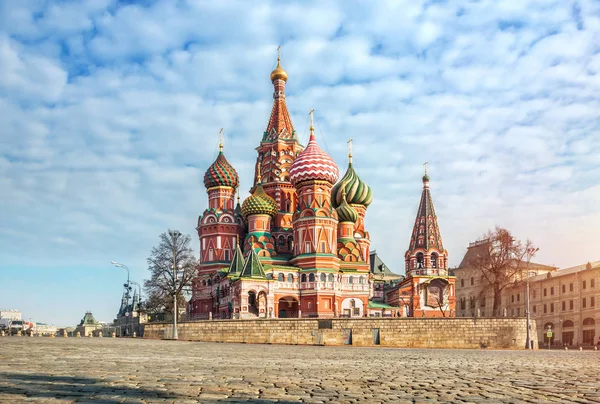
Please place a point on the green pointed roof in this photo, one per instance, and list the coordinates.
(253, 268)
(237, 262)
(88, 319)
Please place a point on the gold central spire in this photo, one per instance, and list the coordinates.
(279, 73)
(221, 140)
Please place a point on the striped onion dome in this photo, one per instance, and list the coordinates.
(259, 203)
(313, 164)
(357, 192)
(346, 213)
(221, 174)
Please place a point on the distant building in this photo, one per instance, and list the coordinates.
(45, 329)
(88, 324)
(566, 301)
(131, 316)
(472, 297)
(11, 314)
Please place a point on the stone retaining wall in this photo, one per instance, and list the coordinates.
(393, 332)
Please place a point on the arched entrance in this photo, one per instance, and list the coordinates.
(288, 307)
(589, 329)
(568, 332)
(252, 303)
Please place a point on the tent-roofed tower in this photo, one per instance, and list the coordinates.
(426, 254)
(276, 153)
(428, 289)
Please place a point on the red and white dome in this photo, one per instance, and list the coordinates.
(313, 164)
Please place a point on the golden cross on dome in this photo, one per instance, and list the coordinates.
(258, 176)
(279, 53)
(221, 140)
(310, 114)
(350, 150)
(425, 165)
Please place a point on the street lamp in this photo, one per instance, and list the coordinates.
(174, 236)
(529, 343)
(128, 288)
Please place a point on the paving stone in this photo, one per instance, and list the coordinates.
(152, 371)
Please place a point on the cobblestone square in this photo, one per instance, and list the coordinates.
(45, 370)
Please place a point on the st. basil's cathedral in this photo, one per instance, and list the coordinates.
(298, 245)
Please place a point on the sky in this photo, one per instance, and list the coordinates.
(111, 110)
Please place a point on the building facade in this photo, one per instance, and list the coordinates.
(564, 301)
(298, 246)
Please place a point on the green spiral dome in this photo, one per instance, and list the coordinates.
(346, 213)
(357, 192)
(259, 203)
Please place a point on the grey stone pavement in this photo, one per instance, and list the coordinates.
(49, 370)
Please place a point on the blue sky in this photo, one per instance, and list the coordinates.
(110, 113)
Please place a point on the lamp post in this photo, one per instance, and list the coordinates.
(174, 236)
(530, 253)
(128, 287)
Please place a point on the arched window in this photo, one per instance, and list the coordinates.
(420, 260)
(434, 260)
(330, 277)
(350, 279)
(280, 277)
(568, 324)
(290, 278)
(303, 278)
(353, 303)
(323, 277)
(290, 243)
(311, 277)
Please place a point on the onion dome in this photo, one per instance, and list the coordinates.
(259, 203)
(346, 213)
(279, 73)
(313, 164)
(425, 177)
(221, 173)
(357, 192)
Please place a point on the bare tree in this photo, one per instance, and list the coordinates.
(501, 260)
(172, 267)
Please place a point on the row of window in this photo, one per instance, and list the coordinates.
(584, 285)
(312, 278)
(462, 282)
(584, 305)
(571, 288)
